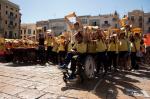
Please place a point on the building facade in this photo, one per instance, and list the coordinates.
(57, 25)
(41, 27)
(28, 31)
(10, 19)
(103, 21)
(139, 19)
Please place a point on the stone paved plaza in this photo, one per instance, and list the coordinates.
(45, 82)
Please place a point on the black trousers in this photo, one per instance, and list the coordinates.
(61, 57)
(49, 53)
(78, 61)
(41, 53)
(112, 59)
(134, 61)
(54, 57)
(101, 60)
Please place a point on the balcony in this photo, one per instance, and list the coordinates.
(10, 26)
(11, 17)
(105, 25)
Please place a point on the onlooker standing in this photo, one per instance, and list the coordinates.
(41, 49)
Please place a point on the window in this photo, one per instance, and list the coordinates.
(140, 18)
(11, 23)
(11, 8)
(132, 18)
(94, 23)
(15, 24)
(6, 6)
(16, 16)
(148, 20)
(15, 35)
(6, 22)
(5, 34)
(29, 31)
(116, 26)
(34, 32)
(11, 14)
(105, 22)
(6, 12)
(0, 6)
(149, 29)
(24, 31)
(21, 32)
(45, 29)
(140, 25)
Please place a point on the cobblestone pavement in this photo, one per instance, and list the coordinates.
(45, 82)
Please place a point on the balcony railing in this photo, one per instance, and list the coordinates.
(11, 26)
(11, 17)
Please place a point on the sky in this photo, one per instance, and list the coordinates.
(37, 10)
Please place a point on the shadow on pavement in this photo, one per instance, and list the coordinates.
(114, 85)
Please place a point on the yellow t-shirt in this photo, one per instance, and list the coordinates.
(69, 47)
(49, 41)
(123, 45)
(113, 47)
(100, 46)
(137, 44)
(80, 47)
(61, 46)
(91, 47)
(55, 47)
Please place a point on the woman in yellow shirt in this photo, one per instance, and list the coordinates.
(112, 52)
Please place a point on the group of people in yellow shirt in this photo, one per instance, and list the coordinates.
(118, 48)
